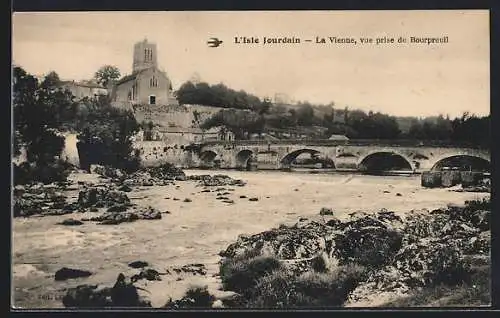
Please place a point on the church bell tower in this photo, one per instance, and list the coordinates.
(144, 55)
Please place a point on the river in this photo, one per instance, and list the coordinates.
(196, 231)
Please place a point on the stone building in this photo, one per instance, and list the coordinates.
(147, 85)
(185, 135)
(83, 89)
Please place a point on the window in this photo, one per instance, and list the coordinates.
(152, 100)
(153, 82)
(148, 55)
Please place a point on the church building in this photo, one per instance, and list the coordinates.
(147, 85)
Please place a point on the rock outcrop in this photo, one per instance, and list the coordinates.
(400, 254)
(136, 213)
(101, 196)
(217, 180)
(39, 199)
(122, 294)
(162, 175)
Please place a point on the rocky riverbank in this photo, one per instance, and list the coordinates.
(394, 257)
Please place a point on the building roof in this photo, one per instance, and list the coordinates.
(89, 84)
(134, 75)
(338, 137)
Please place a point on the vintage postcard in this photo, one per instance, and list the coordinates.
(249, 160)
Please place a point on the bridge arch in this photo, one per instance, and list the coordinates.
(207, 158)
(463, 162)
(244, 159)
(385, 160)
(316, 156)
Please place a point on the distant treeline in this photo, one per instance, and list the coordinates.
(219, 96)
(248, 113)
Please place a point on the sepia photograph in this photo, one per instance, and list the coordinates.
(250, 159)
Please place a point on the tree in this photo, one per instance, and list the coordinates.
(106, 74)
(108, 131)
(37, 112)
(241, 122)
(264, 107)
(472, 129)
(36, 124)
(218, 95)
(51, 81)
(305, 114)
(373, 125)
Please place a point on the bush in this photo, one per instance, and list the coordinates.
(483, 204)
(429, 263)
(200, 295)
(319, 264)
(475, 293)
(331, 289)
(241, 273)
(281, 289)
(131, 165)
(274, 290)
(57, 171)
(372, 246)
(195, 297)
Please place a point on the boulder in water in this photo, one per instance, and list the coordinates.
(326, 211)
(138, 264)
(69, 273)
(71, 222)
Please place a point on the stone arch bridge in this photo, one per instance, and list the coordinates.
(354, 154)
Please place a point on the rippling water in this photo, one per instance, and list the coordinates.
(195, 232)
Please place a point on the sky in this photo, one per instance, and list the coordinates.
(398, 79)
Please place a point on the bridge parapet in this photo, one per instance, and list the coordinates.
(351, 142)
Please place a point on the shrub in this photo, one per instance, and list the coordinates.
(200, 295)
(281, 289)
(477, 292)
(57, 171)
(275, 290)
(372, 246)
(131, 164)
(319, 264)
(241, 273)
(195, 297)
(482, 204)
(428, 263)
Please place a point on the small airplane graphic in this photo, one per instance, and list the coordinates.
(214, 42)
